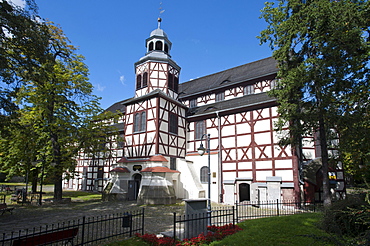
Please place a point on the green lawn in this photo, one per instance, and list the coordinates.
(299, 229)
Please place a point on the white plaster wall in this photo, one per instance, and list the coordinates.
(286, 175)
(261, 175)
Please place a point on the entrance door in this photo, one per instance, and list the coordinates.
(133, 187)
(244, 192)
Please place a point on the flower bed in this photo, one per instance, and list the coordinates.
(215, 233)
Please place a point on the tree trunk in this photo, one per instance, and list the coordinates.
(34, 181)
(325, 163)
(58, 187)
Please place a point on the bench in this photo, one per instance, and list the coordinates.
(4, 208)
(47, 238)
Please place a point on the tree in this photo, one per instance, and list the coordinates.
(322, 50)
(56, 100)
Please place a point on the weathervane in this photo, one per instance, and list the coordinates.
(161, 11)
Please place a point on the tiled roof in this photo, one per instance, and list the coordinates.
(231, 76)
(120, 170)
(159, 170)
(118, 106)
(243, 103)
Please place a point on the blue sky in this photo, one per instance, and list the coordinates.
(207, 36)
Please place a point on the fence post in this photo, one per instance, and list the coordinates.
(236, 209)
(233, 216)
(142, 223)
(277, 204)
(83, 230)
(174, 225)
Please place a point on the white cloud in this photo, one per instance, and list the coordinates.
(98, 87)
(122, 79)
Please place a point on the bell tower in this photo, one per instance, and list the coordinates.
(156, 70)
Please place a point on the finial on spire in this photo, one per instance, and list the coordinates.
(159, 22)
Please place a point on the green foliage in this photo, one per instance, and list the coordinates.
(349, 217)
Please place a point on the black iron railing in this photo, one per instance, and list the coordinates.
(88, 230)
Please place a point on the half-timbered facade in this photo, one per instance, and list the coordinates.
(165, 122)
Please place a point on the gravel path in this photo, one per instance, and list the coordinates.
(158, 218)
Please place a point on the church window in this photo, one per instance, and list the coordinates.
(145, 79)
(100, 172)
(170, 81)
(166, 48)
(249, 89)
(220, 96)
(158, 45)
(273, 84)
(172, 163)
(204, 174)
(176, 84)
(150, 46)
(140, 122)
(200, 129)
(120, 141)
(173, 123)
(193, 103)
(138, 82)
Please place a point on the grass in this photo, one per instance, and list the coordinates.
(298, 229)
(76, 196)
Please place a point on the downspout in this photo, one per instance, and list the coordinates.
(220, 169)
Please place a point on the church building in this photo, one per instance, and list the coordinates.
(155, 158)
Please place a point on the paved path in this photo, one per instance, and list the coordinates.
(158, 218)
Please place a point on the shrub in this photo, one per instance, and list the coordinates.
(349, 217)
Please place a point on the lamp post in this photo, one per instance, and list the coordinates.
(201, 151)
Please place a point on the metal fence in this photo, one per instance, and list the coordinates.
(191, 225)
(85, 231)
(261, 209)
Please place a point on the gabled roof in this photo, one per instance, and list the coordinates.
(249, 71)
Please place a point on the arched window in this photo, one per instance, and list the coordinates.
(158, 45)
(138, 82)
(166, 48)
(145, 79)
(204, 174)
(150, 46)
